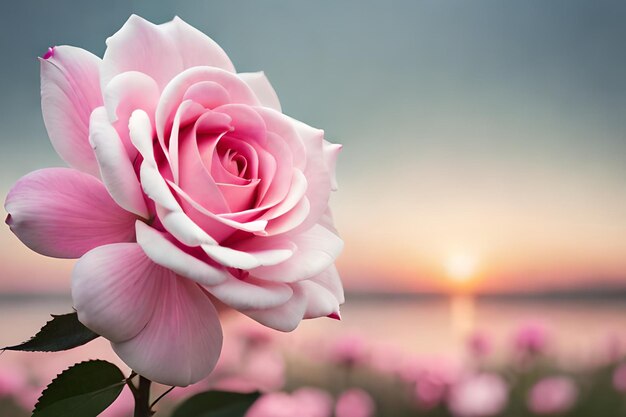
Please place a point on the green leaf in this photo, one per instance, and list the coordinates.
(84, 390)
(216, 404)
(61, 333)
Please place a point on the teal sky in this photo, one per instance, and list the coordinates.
(490, 128)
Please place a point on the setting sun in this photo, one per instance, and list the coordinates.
(461, 267)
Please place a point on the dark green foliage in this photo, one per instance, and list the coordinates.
(63, 332)
(216, 404)
(84, 390)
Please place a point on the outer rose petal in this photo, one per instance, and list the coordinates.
(320, 301)
(251, 293)
(70, 90)
(165, 253)
(64, 213)
(125, 93)
(261, 86)
(160, 51)
(247, 260)
(163, 326)
(317, 249)
(285, 317)
(116, 168)
(183, 339)
(317, 172)
(330, 280)
(115, 289)
(331, 152)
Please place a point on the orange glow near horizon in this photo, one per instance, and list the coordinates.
(403, 242)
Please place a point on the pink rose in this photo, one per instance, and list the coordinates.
(619, 378)
(479, 344)
(553, 395)
(531, 338)
(349, 350)
(188, 184)
(304, 402)
(481, 395)
(355, 402)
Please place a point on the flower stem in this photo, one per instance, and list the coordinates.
(142, 398)
(161, 397)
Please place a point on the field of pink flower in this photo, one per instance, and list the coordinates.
(527, 370)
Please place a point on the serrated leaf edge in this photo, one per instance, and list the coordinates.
(54, 316)
(258, 394)
(73, 366)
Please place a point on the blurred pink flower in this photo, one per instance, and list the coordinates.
(531, 338)
(355, 402)
(445, 369)
(480, 395)
(188, 184)
(247, 364)
(614, 347)
(430, 391)
(15, 385)
(430, 377)
(261, 369)
(305, 402)
(619, 378)
(256, 335)
(553, 395)
(349, 350)
(479, 344)
(387, 358)
(250, 362)
(12, 381)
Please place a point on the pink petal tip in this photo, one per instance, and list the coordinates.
(50, 53)
(335, 316)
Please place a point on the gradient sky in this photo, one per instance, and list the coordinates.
(491, 128)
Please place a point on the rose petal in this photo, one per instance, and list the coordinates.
(125, 93)
(297, 191)
(116, 169)
(165, 253)
(261, 86)
(251, 293)
(115, 289)
(162, 326)
(194, 175)
(290, 220)
(173, 94)
(283, 127)
(320, 302)
(233, 258)
(181, 343)
(188, 110)
(70, 90)
(246, 122)
(331, 152)
(239, 197)
(183, 228)
(140, 130)
(330, 280)
(317, 250)
(64, 213)
(253, 226)
(284, 317)
(316, 172)
(160, 51)
(155, 187)
(208, 94)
